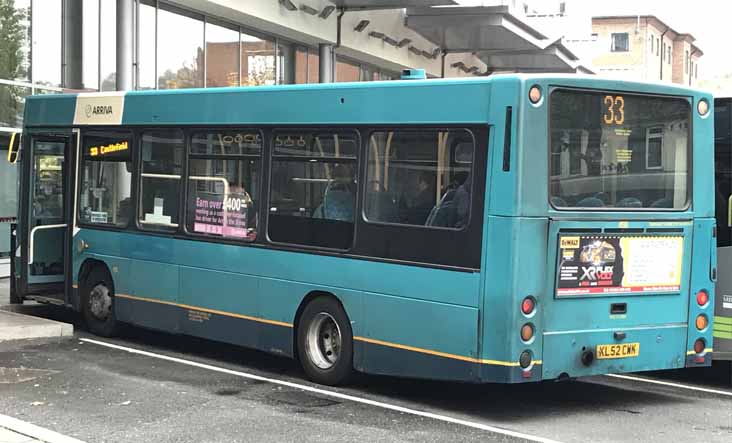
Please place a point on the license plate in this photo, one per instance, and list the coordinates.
(621, 350)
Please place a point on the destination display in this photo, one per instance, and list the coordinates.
(106, 148)
(591, 264)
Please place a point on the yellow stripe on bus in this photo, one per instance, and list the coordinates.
(362, 339)
(440, 354)
(211, 311)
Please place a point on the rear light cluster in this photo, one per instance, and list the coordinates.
(528, 307)
(702, 321)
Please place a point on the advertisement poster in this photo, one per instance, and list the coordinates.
(221, 215)
(592, 264)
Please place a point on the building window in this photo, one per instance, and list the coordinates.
(663, 52)
(419, 178)
(257, 60)
(162, 166)
(652, 39)
(105, 179)
(108, 46)
(222, 55)
(686, 63)
(619, 42)
(46, 45)
(654, 148)
(180, 58)
(313, 188)
(696, 70)
(90, 44)
(658, 46)
(146, 44)
(224, 184)
(669, 54)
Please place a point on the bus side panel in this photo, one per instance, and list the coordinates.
(515, 269)
(407, 337)
(226, 292)
(704, 260)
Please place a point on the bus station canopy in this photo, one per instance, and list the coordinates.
(389, 4)
(502, 41)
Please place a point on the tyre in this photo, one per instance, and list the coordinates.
(97, 302)
(325, 342)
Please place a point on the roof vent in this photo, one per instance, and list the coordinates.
(413, 74)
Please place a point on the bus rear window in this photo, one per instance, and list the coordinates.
(617, 150)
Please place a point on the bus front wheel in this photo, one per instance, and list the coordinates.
(325, 342)
(97, 301)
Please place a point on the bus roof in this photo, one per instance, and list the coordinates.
(380, 102)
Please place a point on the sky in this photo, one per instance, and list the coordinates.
(707, 20)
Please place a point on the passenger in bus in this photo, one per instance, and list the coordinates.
(425, 200)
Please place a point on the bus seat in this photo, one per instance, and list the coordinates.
(629, 202)
(559, 202)
(337, 205)
(662, 203)
(590, 202)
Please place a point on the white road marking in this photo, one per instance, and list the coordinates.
(33, 431)
(673, 385)
(325, 392)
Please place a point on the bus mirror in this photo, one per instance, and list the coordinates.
(14, 148)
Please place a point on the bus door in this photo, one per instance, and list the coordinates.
(45, 219)
(723, 191)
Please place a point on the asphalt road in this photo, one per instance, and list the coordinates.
(101, 394)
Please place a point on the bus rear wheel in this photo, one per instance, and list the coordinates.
(325, 342)
(97, 302)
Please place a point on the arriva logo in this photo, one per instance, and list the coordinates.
(93, 111)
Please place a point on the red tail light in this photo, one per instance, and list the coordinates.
(528, 305)
(702, 298)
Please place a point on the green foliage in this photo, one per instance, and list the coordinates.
(13, 34)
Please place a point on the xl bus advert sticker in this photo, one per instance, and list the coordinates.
(591, 264)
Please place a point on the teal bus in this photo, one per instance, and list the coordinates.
(511, 228)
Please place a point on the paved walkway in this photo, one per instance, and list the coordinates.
(16, 326)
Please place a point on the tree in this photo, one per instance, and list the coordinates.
(12, 38)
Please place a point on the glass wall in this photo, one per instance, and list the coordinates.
(180, 58)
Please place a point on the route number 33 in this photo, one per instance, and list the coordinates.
(614, 110)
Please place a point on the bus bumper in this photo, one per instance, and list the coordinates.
(584, 353)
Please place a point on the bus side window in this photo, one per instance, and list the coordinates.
(313, 188)
(162, 166)
(419, 177)
(224, 184)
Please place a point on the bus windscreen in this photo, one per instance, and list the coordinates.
(618, 151)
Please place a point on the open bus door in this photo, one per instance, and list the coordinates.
(723, 183)
(44, 232)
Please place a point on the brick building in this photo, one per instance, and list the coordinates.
(642, 47)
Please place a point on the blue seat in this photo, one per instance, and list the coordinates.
(590, 202)
(662, 203)
(629, 202)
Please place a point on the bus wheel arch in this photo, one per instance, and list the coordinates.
(324, 339)
(96, 298)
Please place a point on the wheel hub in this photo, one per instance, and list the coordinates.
(323, 341)
(100, 302)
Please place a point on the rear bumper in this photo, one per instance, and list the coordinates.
(659, 347)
